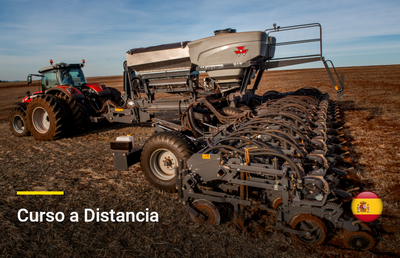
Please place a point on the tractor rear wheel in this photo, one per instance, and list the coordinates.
(17, 121)
(47, 118)
(77, 110)
(161, 155)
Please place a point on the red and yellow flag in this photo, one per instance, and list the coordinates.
(367, 206)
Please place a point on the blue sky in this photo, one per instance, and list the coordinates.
(355, 33)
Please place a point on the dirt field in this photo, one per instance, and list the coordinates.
(82, 166)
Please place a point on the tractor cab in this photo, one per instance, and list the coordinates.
(69, 79)
(62, 74)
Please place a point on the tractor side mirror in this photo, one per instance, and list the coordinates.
(29, 79)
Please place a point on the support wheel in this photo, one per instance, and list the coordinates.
(161, 155)
(17, 121)
(359, 240)
(208, 210)
(313, 226)
(47, 118)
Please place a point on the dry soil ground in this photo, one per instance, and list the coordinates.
(82, 166)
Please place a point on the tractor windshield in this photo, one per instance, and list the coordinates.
(72, 76)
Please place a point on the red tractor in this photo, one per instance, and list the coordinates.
(65, 103)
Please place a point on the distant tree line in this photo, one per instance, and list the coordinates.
(3, 81)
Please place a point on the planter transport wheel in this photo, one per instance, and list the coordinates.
(163, 163)
(161, 155)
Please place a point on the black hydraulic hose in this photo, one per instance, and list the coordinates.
(295, 107)
(273, 135)
(221, 118)
(284, 114)
(268, 121)
(277, 122)
(284, 103)
(193, 123)
(267, 130)
(282, 156)
(261, 152)
(265, 121)
(229, 147)
(239, 139)
(263, 145)
(290, 114)
(299, 100)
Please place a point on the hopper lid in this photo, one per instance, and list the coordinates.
(228, 30)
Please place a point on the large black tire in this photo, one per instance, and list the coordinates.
(115, 95)
(161, 155)
(17, 121)
(47, 118)
(76, 109)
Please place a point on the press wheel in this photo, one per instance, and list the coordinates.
(208, 210)
(315, 228)
(359, 240)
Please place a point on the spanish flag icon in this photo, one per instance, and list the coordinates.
(367, 206)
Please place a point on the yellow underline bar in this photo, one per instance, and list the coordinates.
(40, 192)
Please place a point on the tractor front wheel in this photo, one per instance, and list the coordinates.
(47, 118)
(17, 121)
